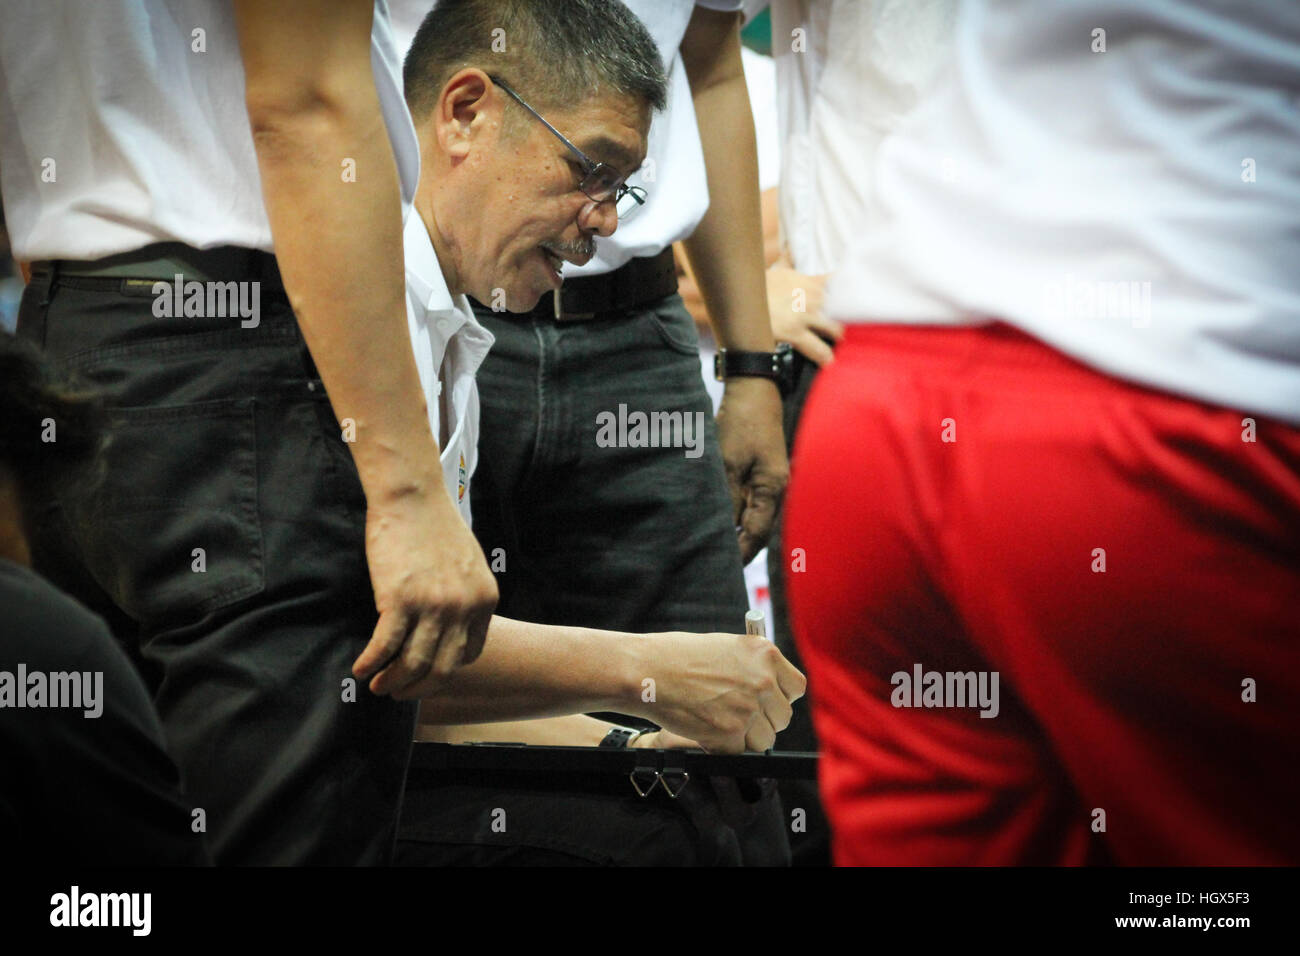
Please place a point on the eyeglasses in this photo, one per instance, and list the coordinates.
(600, 182)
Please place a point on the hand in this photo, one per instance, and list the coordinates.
(753, 451)
(806, 330)
(728, 692)
(433, 590)
(663, 740)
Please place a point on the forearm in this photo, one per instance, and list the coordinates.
(338, 242)
(539, 670)
(575, 730)
(726, 249)
(725, 692)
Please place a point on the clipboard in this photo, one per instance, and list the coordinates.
(642, 769)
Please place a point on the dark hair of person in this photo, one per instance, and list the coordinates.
(556, 53)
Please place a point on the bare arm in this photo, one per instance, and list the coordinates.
(539, 670)
(576, 730)
(726, 249)
(313, 106)
(726, 257)
(730, 692)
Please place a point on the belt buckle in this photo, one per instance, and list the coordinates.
(562, 316)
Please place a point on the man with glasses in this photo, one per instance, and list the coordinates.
(638, 536)
(526, 164)
(600, 181)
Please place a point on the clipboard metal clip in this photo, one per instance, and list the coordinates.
(643, 773)
(677, 774)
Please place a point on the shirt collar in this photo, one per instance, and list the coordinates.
(423, 272)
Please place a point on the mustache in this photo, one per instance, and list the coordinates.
(579, 249)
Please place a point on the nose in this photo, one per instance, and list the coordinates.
(599, 217)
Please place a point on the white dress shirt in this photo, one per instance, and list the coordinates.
(673, 174)
(1130, 198)
(449, 346)
(123, 124)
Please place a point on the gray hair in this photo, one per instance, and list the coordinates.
(554, 52)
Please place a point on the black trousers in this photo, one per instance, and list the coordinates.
(225, 546)
(463, 818)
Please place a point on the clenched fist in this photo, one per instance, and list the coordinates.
(729, 692)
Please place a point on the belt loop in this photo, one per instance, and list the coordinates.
(35, 304)
(47, 283)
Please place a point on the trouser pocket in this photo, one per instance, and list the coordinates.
(172, 532)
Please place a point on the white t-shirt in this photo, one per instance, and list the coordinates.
(760, 79)
(449, 346)
(123, 124)
(673, 174)
(1137, 208)
(848, 72)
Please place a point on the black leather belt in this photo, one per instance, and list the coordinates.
(163, 261)
(639, 281)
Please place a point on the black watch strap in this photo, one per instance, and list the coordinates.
(777, 366)
(619, 737)
(728, 363)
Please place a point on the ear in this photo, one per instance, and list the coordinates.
(468, 110)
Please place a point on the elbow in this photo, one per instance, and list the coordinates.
(293, 107)
(710, 50)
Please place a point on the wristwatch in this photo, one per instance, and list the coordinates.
(779, 366)
(620, 737)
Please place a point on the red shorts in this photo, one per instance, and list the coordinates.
(1121, 557)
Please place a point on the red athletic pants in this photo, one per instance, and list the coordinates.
(970, 500)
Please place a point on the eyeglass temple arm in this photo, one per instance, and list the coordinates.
(542, 119)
